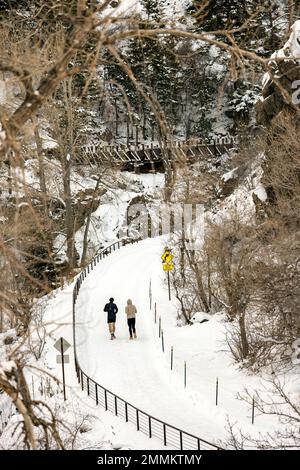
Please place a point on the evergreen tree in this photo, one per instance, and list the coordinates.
(152, 9)
(259, 16)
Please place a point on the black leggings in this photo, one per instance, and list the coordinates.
(131, 325)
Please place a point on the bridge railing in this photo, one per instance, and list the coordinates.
(153, 427)
(136, 152)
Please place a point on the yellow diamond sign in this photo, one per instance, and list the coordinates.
(167, 257)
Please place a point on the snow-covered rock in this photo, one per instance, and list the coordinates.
(200, 317)
(261, 192)
(296, 352)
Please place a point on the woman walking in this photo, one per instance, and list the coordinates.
(131, 311)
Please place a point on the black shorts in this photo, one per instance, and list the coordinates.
(109, 320)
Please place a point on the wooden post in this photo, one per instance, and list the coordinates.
(217, 391)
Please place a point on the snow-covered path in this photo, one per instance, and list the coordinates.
(135, 370)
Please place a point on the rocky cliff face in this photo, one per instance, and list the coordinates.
(277, 111)
(281, 88)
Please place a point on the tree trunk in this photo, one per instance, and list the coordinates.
(199, 283)
(40, 156)
(244, 341)
(69, 212)
(209, 282)
(87, 227)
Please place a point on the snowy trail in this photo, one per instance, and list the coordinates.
(135, 370)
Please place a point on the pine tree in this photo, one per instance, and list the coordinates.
(260, 16)
(152, 9)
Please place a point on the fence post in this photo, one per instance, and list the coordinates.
(88, 386)
(150, 429)
(199, 444)
(96, 390)
(137, 420)
(105, 399)
(253, 406)
(165, 435)
(181, 440)
(172, 358)
(162, 341)
(116, 406)
(126, 412)
(217, 391)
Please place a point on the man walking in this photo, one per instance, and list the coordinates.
(131, 311)
(111, 310)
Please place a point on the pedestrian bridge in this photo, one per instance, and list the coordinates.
(154, 155)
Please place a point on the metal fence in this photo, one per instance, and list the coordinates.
(149, 425)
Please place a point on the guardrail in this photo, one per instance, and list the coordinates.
(149, 425)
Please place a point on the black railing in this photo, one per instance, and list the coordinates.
(149, 425)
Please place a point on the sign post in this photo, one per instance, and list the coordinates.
(167, 258)
(62, 346)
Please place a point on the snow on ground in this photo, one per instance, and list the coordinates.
(138, 371)
(104, 430)
(108, 431)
